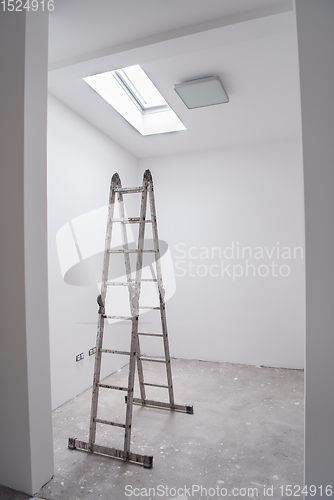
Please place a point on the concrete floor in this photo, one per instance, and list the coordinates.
(247, 432)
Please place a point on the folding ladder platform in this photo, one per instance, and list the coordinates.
(134, 287)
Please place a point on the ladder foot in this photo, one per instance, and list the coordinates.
(149, 403)
(144, 460)
(148, 462)
(71, 443)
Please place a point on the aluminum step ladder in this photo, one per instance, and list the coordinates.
(134, 288)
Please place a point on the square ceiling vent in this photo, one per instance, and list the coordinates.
(202, 92)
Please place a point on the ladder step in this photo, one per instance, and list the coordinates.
(151, 334)
(108, 422)
(149, 307)
(143, 357)
(119, 317)
(122, 190)
(130, 220)
(123, 250)
(128, 283)
(110, 351)
(157, 385)
(116, 387)
(120, 283)
(129, 250)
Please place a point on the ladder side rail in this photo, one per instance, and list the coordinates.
(115, 182)
(100, 329)
(161, 291)
(124, 235)
(96, 381)
(125, 245)
(131, 379)
(156, 241)
(141, 234)
(139, 267)
(133, 291)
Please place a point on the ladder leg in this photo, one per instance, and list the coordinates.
(129, 402)
(100, 328)
(96, 381)
(167, 355)
(139, 267)
(161, 294)
(140, 372)
(132, 292)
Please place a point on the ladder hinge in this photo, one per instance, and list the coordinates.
(101, 305)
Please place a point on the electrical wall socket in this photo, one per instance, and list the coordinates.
(79, 357)
(92, 351)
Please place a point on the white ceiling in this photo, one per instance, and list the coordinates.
(249, 44)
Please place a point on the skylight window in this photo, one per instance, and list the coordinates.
(141, 87)
(133, 95)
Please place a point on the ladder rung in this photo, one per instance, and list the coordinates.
(108, 422)
(139, 189)
(156, 385)
(128, 283)
(130, 220)
(151, 334)
(120, 283)
(149, 307)
(129, 250)
(116, 387)
(155, 360)
(123, 250)
(118, 317)
(110, 351)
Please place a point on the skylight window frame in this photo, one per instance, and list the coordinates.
(131, 90)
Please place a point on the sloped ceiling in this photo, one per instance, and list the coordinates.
(250, 44)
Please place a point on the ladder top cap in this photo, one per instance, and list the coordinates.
(116, 179)
(148, 176)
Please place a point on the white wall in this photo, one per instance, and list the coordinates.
(315, 21)
(251, 196)
(26, 452)
(81, 161)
